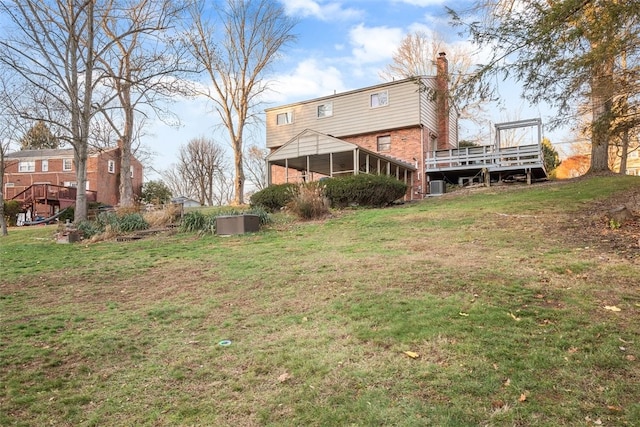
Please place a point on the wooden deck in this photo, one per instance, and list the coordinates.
(45, 194)
(478, 164)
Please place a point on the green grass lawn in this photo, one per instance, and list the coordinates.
(510, 299)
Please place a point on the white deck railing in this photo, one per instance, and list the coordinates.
(488, 157)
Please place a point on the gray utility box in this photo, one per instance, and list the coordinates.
(237, 224)
(437, 187)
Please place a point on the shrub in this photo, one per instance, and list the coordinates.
(364, 190)
(274, 197)
(193, 221)
(132, 222)
(89, 229)
(11, 211)
(68, 214)
(309, 201)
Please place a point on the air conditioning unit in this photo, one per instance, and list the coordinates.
(437, 187)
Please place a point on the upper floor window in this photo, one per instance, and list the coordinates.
(634, 154)
(27, 166)
(384, 143)
(131, 170)
(379, 99)
(285, 118)
(67, 164)
(111, 166)
(325, 110)
(45, 166)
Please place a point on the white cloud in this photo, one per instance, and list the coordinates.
(374, 44)
(320, 10)
(311, 79)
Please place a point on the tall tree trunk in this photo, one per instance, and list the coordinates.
(126, 186)
(625, 152)
(3, 222)
(238, 183)
(601, 104)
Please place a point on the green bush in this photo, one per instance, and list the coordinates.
(68, 214)
(89, 229)
(274, 197)
(132, 222)
(193, 221)
(364, 190)
(309, 201)
(11, 211)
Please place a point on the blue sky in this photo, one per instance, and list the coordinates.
(342, 45)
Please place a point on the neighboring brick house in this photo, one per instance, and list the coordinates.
(392, 124)
(56, 168)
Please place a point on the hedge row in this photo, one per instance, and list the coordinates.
(360, 190)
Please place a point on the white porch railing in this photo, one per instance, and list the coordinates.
(524, 156)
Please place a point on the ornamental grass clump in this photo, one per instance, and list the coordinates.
(309, 201)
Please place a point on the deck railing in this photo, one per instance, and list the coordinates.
(485, 157)
(45, 192)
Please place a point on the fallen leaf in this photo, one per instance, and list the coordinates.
(284, 377)
(614, 408)
(630, 357)
(573, 350)
(464, 314)
(513, 316)
(523, 397)
(497, 404)
(612, 308)
(412, 354)
(506, 383)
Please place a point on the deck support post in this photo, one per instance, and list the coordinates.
(486, 177)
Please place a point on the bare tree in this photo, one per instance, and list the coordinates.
(199, 163)
(255, 165)
(51, 46)
(416, 56)
(253, 34)
(141, 68)
(177, 183)
(9, 127)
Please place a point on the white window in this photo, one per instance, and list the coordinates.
(9, 184)
(70, 184)
(325, 110)
(379, 99)
(384, 143)
(27, 166)
(634, 154)
(45, 165)
(87, 185)
(131, 170)
(111, 166)
(284, 118)
(67, 164)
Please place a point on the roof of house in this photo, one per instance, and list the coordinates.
(363, 89)
(52, 153)
(326, 154)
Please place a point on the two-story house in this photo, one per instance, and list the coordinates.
(387, 128)
(46, 179)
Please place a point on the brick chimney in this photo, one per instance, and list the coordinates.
(442, 100)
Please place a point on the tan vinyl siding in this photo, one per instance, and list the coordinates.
(352, 114)
(428, 111)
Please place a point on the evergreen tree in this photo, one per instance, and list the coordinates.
(565, 52)
(39, 137)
